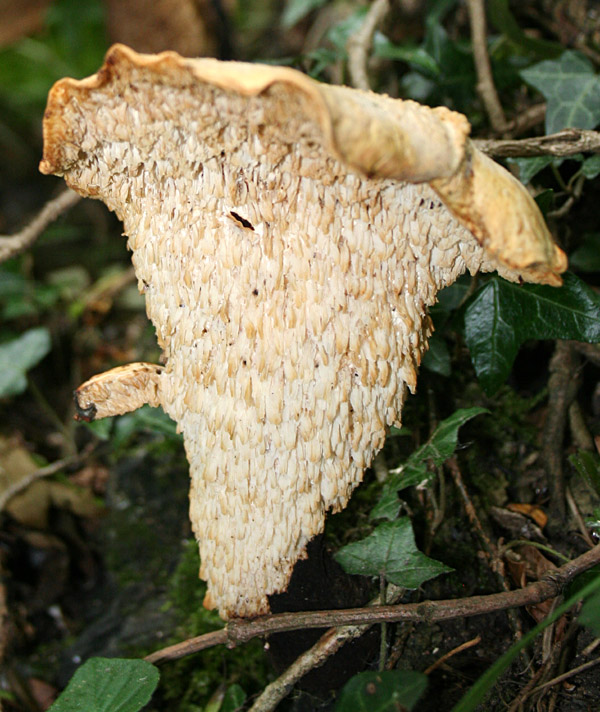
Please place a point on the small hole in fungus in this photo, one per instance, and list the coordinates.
(243, 222)
(255, 291)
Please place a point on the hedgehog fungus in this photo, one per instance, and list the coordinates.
(288, 237)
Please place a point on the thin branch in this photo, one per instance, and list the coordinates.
(578, 518)
(568, 674)
(495, 560)
(526, 119)
(241, 631)
(359, 44)
(14, 244)
(485, 80)
(564, 143)
(563, 385)
(451, 653)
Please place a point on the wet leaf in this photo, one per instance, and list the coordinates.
(391, 550)
(502, 315)
(571, 88)
(386, 691)
(108, 685)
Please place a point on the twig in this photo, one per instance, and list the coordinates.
(568, 674)
(563, 384)
(496, 564)
(241, 631)
(463, 646)
(485, 80)
(359, 44)
(325, 647)
(46, 471)
(578, 518)
(13, 244)
(578, 427)
(527, 119)
(564, 143)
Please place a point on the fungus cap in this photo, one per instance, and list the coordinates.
(288, 237)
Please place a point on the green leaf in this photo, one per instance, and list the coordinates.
(503, 19)
(530, 167)
(502, 315)
(417, 57)
(571, 88)
(437, 449)
(587, 465)
(386, 691)
(234, 699)
(437, 357)
(390, 550)
(545, 201)
(586, 258)
(20, 355)
(388, 507)
(591, 166)
(108, 685)
(296, 10)
(590, 614)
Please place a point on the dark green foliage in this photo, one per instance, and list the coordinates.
(386, 691)
(109, 685)
(391, 551)
(571, 88)
(503, 315)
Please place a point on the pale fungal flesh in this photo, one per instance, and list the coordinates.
(287, 264)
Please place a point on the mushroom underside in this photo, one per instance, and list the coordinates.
(289, 291)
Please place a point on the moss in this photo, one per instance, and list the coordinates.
(187, 685)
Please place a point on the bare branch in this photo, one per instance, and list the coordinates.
(359, 44)
(564, 143)
(485, 81)
(14, 244)
(327, 645)
(240, 630)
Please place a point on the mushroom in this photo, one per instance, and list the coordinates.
(288, 237)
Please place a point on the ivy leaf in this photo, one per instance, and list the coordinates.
(530, 167)
(502, 315)
(591, 166)
(571, 88)
(108, 685)
(386, 691)
(18, 356)
(390, 550)
(437, 449)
